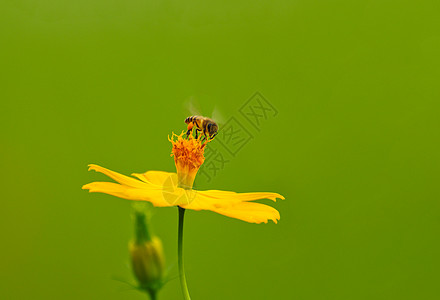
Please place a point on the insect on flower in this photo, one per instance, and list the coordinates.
(206, 125)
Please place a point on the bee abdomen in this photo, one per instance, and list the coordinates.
(190, 119)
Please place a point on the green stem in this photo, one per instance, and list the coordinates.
(153, 294)
(180, 255)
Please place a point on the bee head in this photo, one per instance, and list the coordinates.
(212, 129)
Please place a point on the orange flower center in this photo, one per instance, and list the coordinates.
(188, 157)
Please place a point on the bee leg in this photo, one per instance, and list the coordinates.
(213, 136)
(197, 133)
(190, 128)
(205, 136)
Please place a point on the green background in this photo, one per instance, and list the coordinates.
(354, 148)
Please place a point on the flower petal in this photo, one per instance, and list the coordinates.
(241, 196)
(122, 179)
(158, 178)
(250, 212)
(153, 195)
(236, 205)
(213, 199)
(200, 201)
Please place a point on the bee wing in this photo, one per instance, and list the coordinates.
(192, 106)
(217, 116)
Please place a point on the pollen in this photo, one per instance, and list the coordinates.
(188, 157)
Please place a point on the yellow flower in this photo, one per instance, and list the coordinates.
(165, 189)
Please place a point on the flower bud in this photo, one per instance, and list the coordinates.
(147, 258)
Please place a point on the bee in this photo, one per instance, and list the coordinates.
(206, 125)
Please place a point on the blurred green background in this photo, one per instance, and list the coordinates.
(354, 147)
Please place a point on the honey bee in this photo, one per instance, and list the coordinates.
(203, 124)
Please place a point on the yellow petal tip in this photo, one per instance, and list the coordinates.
(92, 167)
(85, 187)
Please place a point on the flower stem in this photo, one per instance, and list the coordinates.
(153, 294)
(180, 255)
